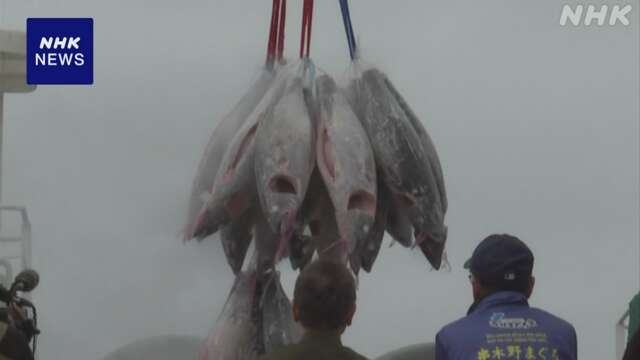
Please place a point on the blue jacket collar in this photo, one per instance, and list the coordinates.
(499, 298)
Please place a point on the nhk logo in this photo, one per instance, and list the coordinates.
(59, 59)
(593, 15)
(59, 51)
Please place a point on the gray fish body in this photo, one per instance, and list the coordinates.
(301, 246)
(401, 160)
(346, 162)
(234, 190)
(235, 331)
(319, 215)
(429, 147)
(317, 201)
(278, 327)
(218, 143)
(266, 243)
(368, 249)
(398, 224)
(284, 158)
(429, 239)
(326, 238)
(236, 238)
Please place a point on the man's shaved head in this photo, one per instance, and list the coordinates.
(325, 296)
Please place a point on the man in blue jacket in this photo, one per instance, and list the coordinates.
(500, 324)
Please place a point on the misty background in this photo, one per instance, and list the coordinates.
(536, 125)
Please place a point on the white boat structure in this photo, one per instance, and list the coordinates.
(15, 228)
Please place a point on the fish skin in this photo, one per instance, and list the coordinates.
(301, 246)
(234, 190)
(368, 250)
(319, 216)
(235, 332)
(398, 224)
(427, 142)
(346, 163)
(284, 159)
(266, 245)
(326, 238)
(316, 202)
(430, 247)
(278, 326)
(431, 239)
(401, 159)
(236, 238)
(218, 142)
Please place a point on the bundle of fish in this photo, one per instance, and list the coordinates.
(301, 167)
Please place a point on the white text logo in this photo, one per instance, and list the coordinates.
(590, 15)
(59, 59)
(499, 321)
(59, 43)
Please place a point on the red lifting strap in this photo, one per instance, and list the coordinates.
(309, 22)
(283, 16)
(273, 32)
(305, 38)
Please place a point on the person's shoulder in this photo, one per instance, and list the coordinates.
(455, 326)
(554, 320)
(352, 354)
(450, 334)
(457, 335)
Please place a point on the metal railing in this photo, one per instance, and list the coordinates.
(23, 254)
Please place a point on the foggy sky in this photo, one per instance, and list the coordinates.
(536, 126)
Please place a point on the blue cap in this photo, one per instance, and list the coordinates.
(501, 259)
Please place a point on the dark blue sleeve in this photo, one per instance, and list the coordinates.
(441, 352)
(574, 343)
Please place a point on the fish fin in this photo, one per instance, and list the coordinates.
(445, 266)
(199, 229)
(431, 249)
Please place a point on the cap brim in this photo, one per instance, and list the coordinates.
(467, 264)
